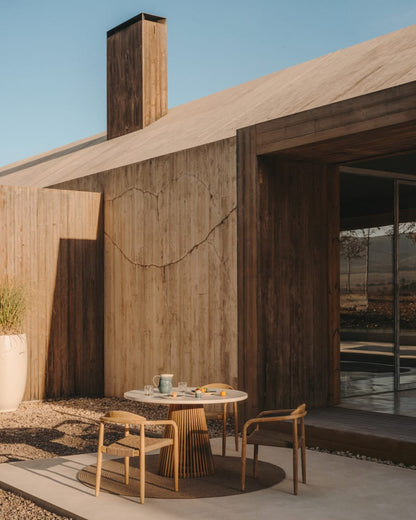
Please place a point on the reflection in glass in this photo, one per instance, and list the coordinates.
(406, 357)
(366, 285)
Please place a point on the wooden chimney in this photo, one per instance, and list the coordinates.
(137, 92)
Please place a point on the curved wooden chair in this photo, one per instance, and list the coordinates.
(134, 445)
(257, 431)
(213, 413)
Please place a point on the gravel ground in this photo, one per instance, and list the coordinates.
(47, 429)
(57, 428)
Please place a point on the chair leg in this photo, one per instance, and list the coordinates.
(303, 449)
(243, 464)
(142, 475)
(99, 459)
(236, 426)
(255, 460)
(295, 470)
(303, 457)
(224, 430)
(98, 472)
(126, 470)
(176, 462)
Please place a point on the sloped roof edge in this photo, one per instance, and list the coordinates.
(377, 64)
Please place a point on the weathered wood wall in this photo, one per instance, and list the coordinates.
(136, 99)
(170, 267)
(288, 261)
(297, 224)
(51, 240)
(288, 240)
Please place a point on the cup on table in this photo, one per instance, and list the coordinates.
(148, 390)
(182, 386)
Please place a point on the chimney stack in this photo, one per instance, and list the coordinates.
(137, 93)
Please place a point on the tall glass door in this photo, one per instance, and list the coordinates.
(377, 285)
(405, 344)
(367, 285)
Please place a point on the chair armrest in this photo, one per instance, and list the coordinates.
(260, 420)
(275, 413)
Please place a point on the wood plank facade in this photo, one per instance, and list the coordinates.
(293, 285)
(221, 262)
(137, 75)
(215, 253)
(288, 265)
(51, 241)
(170, 231)
(288, 240)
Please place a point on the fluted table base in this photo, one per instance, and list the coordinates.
(195, 455)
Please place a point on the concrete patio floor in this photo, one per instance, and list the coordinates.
(338, 488)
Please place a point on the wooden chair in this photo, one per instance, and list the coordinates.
(213, 413)
(262, 434)
(134, 445)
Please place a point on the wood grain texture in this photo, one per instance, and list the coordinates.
(375, 65)
(51, 240)
(375, 114)
(249, 362)
(176, 239)
(287, 334)
(154, 71)
(294, 262)
(136, 75)
(170, 259)
(195, 455)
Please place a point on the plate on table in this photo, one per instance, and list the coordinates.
(170, 396)
(208, 391)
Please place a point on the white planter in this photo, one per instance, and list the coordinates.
(13, 371)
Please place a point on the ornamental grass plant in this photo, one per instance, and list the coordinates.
(12, 307)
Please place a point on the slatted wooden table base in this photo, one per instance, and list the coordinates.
(195, 455)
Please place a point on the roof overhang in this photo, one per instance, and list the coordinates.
(375, 124)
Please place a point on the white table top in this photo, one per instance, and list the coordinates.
(187, 398)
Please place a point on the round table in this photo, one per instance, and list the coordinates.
(195, 455)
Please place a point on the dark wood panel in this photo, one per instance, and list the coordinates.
(136, 75)
(379, 110)
(359, 146)
(333, 226)
(124, 81)
(247, 222)
(293, 284)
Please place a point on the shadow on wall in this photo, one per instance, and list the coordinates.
(75, 357)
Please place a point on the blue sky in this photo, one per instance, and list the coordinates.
(53, 54)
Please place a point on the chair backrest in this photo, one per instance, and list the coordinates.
(122, 417)
(219, 385)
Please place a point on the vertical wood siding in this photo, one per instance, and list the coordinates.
(134, 100)
(288, 262)
(170, 267)
(296, 228)
(249, 361)
(51, 240)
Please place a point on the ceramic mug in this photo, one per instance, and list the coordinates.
(164, 384)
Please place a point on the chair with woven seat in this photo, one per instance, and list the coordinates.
(264, 435)
(213, 413)
(132, 445)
